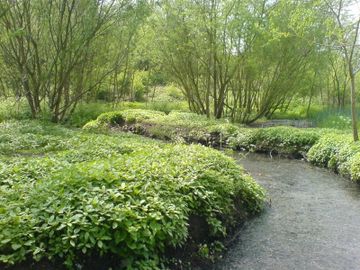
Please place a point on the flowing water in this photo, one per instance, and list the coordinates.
(313, 221)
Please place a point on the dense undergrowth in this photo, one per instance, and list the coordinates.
(321, 116)
(72, 196)
(165, 99)
(330, 148)
(339, 153)
(189, 127)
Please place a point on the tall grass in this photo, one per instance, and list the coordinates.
(90, 111)
(10, 108)
(321, 116)
(328, 117)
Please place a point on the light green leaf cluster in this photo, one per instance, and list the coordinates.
(99, 194)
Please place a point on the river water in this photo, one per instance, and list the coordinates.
(313, 221)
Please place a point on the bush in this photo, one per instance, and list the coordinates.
(120, 194)
(140, 85)
(86, 112)
(120, 118)
(323, 147)
(337, 152)
(12, 108)
(191, 127)
(354, 162)
(324, 152)
(174, 92)
(104, 95)
(166, 107)
(169, 93)
(287, 140)
(175, 126)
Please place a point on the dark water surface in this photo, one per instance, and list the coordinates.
(313, 221)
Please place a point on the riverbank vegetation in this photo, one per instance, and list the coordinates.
(190, 127)
(330, 148)
(78, 77)
(240, 60)
(73, 196)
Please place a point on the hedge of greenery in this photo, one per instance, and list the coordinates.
(70, 195)
(323, 147)
(281, 140)
(339, 153)
(190, 127)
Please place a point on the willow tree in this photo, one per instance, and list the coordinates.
(56, 50)
(243, 59)
(345, 39)
(197, 44)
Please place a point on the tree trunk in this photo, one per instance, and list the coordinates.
(353, 107)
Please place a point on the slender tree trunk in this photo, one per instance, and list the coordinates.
(309, 105)
(353, 106)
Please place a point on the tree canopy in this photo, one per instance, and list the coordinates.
(237, 59)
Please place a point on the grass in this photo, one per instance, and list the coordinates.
(332, 118)
(11, 109)
(168, 99)
(321, 116)
(71, 196)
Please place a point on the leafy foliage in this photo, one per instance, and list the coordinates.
(339, 153)
(284, 139)
(191, 127)
(323, 147)
(98, 194)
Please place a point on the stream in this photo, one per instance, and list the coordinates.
(313, 221)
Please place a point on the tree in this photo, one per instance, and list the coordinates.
(56, 50)
(345, 40)
(242, 59)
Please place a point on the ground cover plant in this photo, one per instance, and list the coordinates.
(141, 92)
(319, 115)
(330, 148)
(69, 196)
(191, 127)
(339, 153)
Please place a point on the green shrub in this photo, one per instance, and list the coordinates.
(86, 112)
(286, 140)
(140, 85)
(120, 118)
(325, 151)
(120, 194)
(337, 152)
(12, 108)
(104, 95)
(244, 139)
(169, 93)
(190, 127)
(354, 164)
(323, 147)
(166, 107)
(176, 126)
(111, 118)
(174, 92)
(328, 117)
(31, 137)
